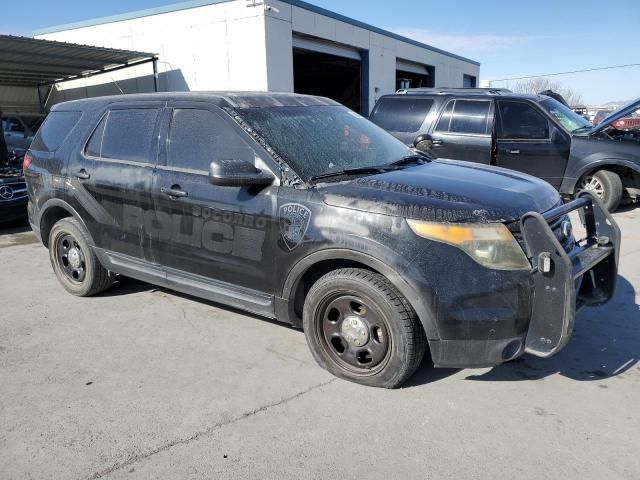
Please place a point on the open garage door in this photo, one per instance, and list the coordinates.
(414, 75)
(330, 70)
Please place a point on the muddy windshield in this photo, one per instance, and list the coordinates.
(570, 120)
(320, 140)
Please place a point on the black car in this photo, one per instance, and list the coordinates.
(533, 134)
(296, 208)
(13, 193)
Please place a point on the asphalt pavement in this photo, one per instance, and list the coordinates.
(144, 383)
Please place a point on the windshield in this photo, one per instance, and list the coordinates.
(569, 119)
(320, 140)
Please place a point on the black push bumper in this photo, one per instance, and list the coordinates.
(565, 281)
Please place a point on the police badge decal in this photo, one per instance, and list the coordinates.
(294, 222)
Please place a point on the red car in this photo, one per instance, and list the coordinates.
(632, 122)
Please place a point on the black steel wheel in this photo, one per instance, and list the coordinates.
(70, 258)
(354, 332)
(360, 328)
(74, 262)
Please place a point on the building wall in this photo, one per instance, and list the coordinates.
(19, 99)
(284, 20)
(213, 47)
(234, 46)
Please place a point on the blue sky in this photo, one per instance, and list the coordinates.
(509, 38)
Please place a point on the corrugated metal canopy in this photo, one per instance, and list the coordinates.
(32, 62)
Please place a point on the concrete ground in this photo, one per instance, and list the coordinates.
(145, 383)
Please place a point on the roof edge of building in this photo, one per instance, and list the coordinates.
(148, 12)
(201, 3)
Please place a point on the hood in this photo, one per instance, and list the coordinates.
(617, 115)
(10, 173)
(445, 191)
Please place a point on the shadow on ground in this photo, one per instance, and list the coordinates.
(605, 343)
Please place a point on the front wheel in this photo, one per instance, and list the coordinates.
(606, 185)
(360, 328)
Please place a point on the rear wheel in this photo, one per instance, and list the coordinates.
(74, 262)
(360, 328)
(606, 185)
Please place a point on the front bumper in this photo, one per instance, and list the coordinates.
(486, 317)
(565, 281)
(13, 209)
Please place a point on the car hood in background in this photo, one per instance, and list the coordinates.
(616, 115)
(445, 191)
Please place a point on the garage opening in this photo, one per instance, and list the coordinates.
(329, 70)
(414, 75)
(469, 81)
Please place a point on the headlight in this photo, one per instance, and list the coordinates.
(491, 245)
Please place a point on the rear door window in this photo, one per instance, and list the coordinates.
(55, 130)
(401, 114)
(197, 137)
(126, 134)
(520, 121)
(469, 117)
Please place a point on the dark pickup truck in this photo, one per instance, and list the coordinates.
(296, 208)
(533, 134)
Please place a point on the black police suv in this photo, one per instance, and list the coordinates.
(533, 134)
(296, 208)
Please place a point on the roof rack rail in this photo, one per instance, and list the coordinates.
(446, 90)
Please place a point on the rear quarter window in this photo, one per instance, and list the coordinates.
(54, 131)
(401, 114)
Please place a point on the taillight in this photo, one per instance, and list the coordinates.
(26, 162)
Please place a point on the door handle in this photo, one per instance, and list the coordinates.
(174, 192)
(83, 175)
(436, 142)
(513, 152)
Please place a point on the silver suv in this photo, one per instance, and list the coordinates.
(19, 129)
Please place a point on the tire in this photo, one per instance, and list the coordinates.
(74, 261)
(361, 329)
(606, 185)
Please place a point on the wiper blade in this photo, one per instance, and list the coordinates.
(350, 171)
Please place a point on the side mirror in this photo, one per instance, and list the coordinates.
(423, 142)
(237, 173)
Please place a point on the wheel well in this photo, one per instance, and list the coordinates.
(52, 216)
(313, 273)
(630, 178)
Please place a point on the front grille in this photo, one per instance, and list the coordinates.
(557, 227)
(12, 191)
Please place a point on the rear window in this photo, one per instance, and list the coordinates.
(124, 135)
(54, 131)
(401, 114)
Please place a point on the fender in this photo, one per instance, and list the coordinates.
(59, 203)
(585, 166)
(399, 281)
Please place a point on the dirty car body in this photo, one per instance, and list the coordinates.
(299, 192)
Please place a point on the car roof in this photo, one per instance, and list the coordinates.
(231, 99)
(466, 93)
